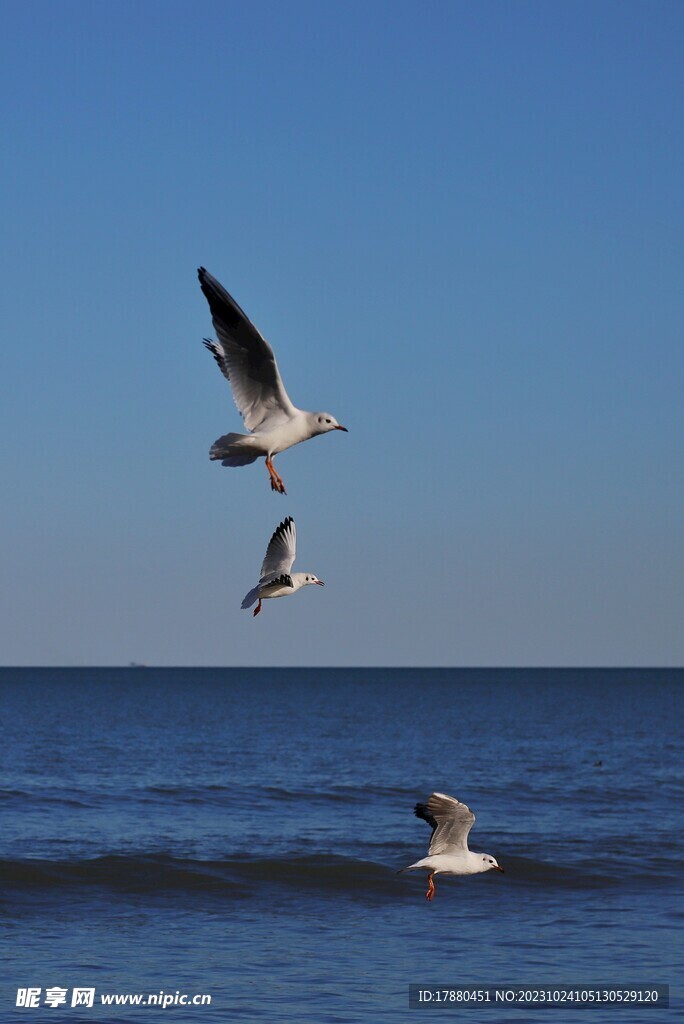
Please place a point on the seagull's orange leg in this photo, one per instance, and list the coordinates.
(276, 480)
(257, 609)
(431, 887)
(279, 479)
(269, 467)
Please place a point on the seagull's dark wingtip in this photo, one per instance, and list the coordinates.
(421, 811)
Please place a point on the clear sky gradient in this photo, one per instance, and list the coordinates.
(461, 227)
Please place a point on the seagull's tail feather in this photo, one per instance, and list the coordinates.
(418, 866)
(233, 450)
(250, 598)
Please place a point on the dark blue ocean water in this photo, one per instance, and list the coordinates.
(237, 832)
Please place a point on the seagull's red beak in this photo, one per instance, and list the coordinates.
(338, 427)
(499, 868)
(320, 583)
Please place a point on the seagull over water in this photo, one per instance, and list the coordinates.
(276, 579)
(448, 853)
(247, 361)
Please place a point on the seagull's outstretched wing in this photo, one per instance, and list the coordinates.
(246, 360)
(280, 553)
(450, 821)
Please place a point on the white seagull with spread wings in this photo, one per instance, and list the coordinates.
(276, 579)
(247, 361)
(448, 853)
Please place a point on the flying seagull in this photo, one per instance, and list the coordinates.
(448, 853)
(276, 579)
(247, 361)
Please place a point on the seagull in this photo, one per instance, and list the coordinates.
(247, 362)
(276, 579)
(448, 853)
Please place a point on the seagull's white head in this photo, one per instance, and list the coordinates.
(310, 578)
(490, 863)
(323, 422)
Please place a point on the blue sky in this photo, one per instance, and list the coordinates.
(460, 225)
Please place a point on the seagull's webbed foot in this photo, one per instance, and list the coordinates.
(431, 889)
(276, 479)
(257, 609)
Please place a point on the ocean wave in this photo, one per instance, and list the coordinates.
(47, 796)
(158, 873)
(333, 793)
(232, 877)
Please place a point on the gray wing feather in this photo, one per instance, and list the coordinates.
(249, 599)
(281, 551)
(450, 820)
(274, 583)
(245, 359)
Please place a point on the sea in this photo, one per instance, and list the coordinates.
(172, 834)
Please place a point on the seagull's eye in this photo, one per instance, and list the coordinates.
(327, 421)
